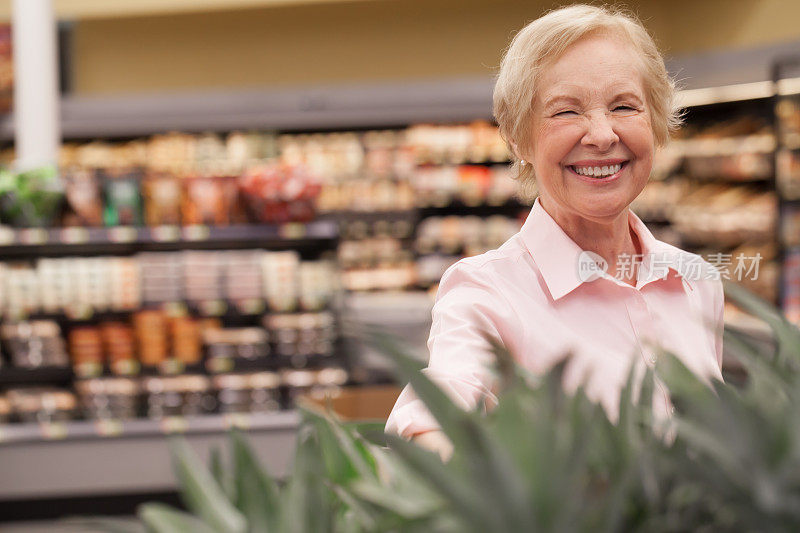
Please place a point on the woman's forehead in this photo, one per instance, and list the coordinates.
(574, 90)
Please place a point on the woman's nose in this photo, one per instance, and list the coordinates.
(599, 131)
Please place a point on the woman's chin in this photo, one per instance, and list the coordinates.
(600, 208)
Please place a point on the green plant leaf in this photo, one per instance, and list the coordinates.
(201, 493)
(256, 493)
(161, 518)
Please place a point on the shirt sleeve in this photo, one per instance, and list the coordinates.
(469, 309)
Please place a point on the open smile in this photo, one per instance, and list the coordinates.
(600, 172)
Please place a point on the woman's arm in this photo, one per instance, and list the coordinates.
(469, 309)
(435, 441)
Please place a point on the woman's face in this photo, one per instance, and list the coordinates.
(592, 145)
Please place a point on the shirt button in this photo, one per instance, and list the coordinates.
(653, 359)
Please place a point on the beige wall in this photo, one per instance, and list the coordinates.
(372, 40)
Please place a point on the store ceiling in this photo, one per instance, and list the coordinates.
(89, 9)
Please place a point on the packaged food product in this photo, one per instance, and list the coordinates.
(123, 203)
(162, 199)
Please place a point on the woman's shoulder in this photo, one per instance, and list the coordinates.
(503, 262)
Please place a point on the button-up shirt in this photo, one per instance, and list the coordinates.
(532, 296)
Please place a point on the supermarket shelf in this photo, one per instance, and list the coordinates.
(10, 376)
(299, 108)
(57, 241)
(94, 429)
(87, 458)
(370, 105)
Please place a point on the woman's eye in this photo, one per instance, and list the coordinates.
(565, 113)
(624, 109)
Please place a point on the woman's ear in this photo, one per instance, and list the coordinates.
(517, 154)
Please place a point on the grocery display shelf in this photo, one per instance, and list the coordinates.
(89, 458)
(121, 239)
(458, 207)
(112, 428)
(11, 376)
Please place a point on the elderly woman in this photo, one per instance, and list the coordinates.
(582, 98)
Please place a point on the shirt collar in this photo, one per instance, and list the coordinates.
(557, 255)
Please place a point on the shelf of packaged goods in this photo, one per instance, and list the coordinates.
(54, 241)
(13, 433)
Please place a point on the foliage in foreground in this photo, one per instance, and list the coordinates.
(541, 461)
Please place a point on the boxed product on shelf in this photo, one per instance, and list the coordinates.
(84, 197)
(301, 336)
(210, 200)
(248, 393)
(34, 344)
(788, 173)
(787, 111)
(121, 199)
(790, 225)
(224, 346)
(280, 193)
(109, 398)
(42, 404)
(314, 383)
(169, 396)
(162, 196)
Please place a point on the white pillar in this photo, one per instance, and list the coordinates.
(36, 116)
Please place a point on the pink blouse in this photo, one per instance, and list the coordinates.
(530, 295)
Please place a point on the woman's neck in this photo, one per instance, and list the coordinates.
(610, 238)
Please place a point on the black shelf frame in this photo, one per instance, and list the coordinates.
(777, 70)
(123, 240)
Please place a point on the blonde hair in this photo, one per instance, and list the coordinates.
(543, 41)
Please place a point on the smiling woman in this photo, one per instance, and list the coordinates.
(582, 98)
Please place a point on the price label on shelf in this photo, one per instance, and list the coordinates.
(219, 365)
(122, 234)
(212, 307)
(33, 236)
(108, 427)
(237, 420)
(166, 233)
(6, 236)
(175, 309)
(74, 235)
(78, 311)
(125, 367)
(53, 430)
(196, 232)
(174, 424)
(292, 230)
(88, 369)
(250, 306)
(171, 366)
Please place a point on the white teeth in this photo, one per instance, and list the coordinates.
(599, 172)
